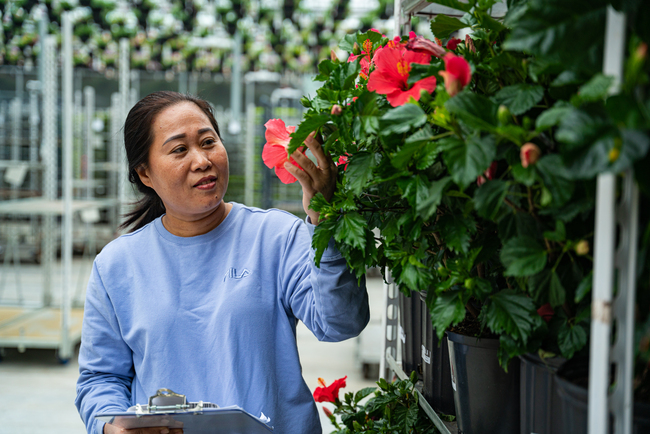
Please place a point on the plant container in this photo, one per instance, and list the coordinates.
(436, 372)
(486, 397)
(538, 402)
(572, 380)
(411, 332)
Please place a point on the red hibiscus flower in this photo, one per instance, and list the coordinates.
(391, 73)
(343, 159)
(452, 44)
(489, 174)
(457, 73)
(274, 153)
(329, 393)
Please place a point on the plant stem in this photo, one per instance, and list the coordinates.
(513, 206)
(531, 206)
(472, 310)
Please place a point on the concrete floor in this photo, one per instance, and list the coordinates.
(37, 393)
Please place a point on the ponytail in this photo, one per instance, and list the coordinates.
(147, 209)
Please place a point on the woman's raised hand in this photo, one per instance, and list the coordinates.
(314, 179)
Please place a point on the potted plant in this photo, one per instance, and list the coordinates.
(389, 408)
(473, 163)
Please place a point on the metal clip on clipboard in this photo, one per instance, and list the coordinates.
(171, 409)
(167, 401)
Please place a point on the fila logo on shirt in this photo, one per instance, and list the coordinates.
(232, 274)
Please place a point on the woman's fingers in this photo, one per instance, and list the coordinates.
(324, 160)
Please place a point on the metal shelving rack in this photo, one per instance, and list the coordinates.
(609, 260)
(48, 326)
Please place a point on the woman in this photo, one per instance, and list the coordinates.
(203, 296)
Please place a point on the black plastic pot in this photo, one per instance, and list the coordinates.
(487, 398)
(410, 332)
(573, 400)
(538, 402)
(436, 373)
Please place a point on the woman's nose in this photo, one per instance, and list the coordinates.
(200, 160)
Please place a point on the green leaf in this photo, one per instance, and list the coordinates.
(467, 160)
(524, 175)
(556, 293)
(323, 233)
(489, 197)
(584, 287)
(415, 276)
(309, 124)
(474, 110)
(520, 98)
(363, 393)
(359, 171)
(538, 286)
(428, 200)
(523, 256)
(402, 119)
(579, 128)
(553, 116)
(350, 229)
(559, 234)
(457, 231)
(455, 4)
(596, 89)
(511, 313)
(443, 26)
(571, 338)
(556, 179)
(347, 43)
(448, 309)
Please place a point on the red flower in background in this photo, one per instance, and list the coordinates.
(457, 73)
(343, 159)
(329, 393)
(546, 312)
(452, 44)
(489, 174)
(391, 73)
(274, 153)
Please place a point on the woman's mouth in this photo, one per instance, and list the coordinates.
(206, 183)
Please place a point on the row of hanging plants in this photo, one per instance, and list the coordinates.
(161, 33)
(468, 168)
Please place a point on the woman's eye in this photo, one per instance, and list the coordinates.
(178, 150)
(209, 142)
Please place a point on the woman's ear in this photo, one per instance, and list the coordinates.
(143, 173)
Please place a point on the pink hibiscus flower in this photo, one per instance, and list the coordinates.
(457, 73)
(274, 153)
(391, 73)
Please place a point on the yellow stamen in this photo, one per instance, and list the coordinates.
(403, 67)
(367, 46)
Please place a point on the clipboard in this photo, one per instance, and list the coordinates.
(169, 409)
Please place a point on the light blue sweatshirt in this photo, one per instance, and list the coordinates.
(214, 317)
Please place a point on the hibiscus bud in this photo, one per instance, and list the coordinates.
(613, 154)
(641, 52)
(469, 43)
(333, 56)
(327, 412)
(336, 110)
(438, 41)
(355, 49)
(481, 180)
(491, 171)
(529, 154)
(469, 283)
(423, 45)
(452, 44)
(503, 115)
(546, 312)
(582, 248)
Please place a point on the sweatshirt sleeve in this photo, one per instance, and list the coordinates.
(105, 360)
(329, 300)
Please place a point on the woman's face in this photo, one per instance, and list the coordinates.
(188, 164)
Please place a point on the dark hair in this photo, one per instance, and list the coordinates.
(138, 136)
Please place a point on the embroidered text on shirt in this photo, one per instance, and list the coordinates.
(232, 273)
